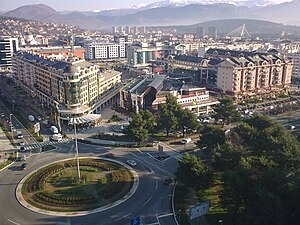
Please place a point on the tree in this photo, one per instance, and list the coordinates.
(187, 121)
(193, 172)
(210, 137)
(227, 111)
(149, 120)
(136, 128)
(167, 119)
(172, 104)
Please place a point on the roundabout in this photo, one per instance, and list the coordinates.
(57, 190)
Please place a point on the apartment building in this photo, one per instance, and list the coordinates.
(8, 45)
(140, 54)
(57, 52)
(72, 88)
(237, 73)
(104, 51)
(244, 74)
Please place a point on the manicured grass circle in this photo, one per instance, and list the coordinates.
(57, 187)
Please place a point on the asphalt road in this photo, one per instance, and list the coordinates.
(151, 201)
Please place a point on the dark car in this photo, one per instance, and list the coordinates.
(23, 166)
(168, 181)
(109, 155)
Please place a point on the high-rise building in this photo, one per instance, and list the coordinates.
(8, 45)
(134, 30)
(128, 30)
(114, 30)
(143, 30)
(121, 29)
(200, 32)
(72, 88)
(212, 33)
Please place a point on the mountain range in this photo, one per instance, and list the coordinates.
(170, 12)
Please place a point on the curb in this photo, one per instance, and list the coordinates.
(173, 207)
(7, 166)
(26, 205)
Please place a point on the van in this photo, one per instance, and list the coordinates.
(54, 129)
(186, 140)
(31, 118)
(56, 137)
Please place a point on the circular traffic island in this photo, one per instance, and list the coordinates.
(57, 187)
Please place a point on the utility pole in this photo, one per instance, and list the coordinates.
(76, 148)
(11, 127)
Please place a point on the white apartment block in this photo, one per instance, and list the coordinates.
(96, 50)
(73, 89)
(8, 45)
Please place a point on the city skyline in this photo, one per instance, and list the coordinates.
(90, 4)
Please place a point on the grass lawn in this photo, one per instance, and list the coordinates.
(101, 183)
(2, 165)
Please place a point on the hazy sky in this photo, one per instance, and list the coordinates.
(80, 4)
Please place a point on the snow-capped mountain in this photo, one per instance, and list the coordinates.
(180, 3)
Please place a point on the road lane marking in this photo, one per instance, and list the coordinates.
(165, 215)
(139, 151)
(156, 184)
(147, 201)
(123, 217)
(13, 222)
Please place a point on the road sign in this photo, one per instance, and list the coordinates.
(135, 221)
(37, 127)
(199, 210)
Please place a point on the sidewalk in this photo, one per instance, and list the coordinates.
(5, 146)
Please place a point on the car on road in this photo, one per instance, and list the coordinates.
(19, 135)
(21, 143)
(22, 149)
(168, 181)
(24, 166)
(109, 155)
(131, 163)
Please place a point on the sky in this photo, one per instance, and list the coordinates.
(81, 5)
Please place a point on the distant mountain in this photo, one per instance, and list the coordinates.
(228, 25)
(45, 13)
(33, 12)
(180, 3)
(170, 12)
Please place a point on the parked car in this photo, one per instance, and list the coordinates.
(21, 143)
(54, 129)
(31, 118)
(131, 163)
(185, 141)
(56, 137)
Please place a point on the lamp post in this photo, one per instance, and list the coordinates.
(76, 148)
(11, 127)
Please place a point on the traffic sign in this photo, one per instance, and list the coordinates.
(135, 221)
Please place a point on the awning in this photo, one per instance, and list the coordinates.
(85, 119)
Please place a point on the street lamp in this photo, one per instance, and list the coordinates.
(11, 127)
(76, 148)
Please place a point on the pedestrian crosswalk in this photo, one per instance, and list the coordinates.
(39, 145)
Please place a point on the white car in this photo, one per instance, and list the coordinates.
(131, 162)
